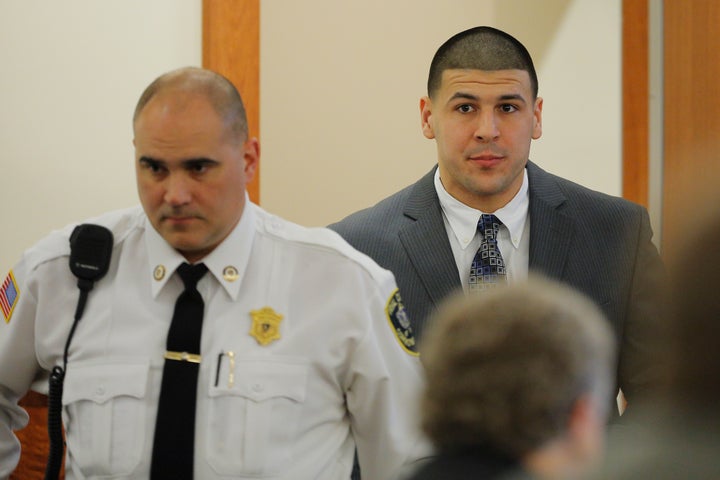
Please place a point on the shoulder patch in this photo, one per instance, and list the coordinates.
(400, 323)
(9, 294)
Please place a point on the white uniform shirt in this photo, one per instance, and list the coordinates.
(295, 409)
(513, 237)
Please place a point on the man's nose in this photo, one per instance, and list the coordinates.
(177, 190)
(487, 129)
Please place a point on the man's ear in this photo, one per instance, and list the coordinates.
(426, 117)
(537, 119)
(251, 156)
(586, 428)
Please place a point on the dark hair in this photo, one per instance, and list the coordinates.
(481, 48)
(219, 91)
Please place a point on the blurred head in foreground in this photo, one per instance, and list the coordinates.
(523, 372)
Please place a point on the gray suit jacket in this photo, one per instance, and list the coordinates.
(597, 243)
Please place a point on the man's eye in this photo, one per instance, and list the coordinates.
(465, 108)
(153, 167)
(198, 167)
(507, 108)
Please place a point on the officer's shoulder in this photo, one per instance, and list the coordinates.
(320, 240)
(57, 243)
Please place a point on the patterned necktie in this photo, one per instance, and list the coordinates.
(488, 267)
(175, 425)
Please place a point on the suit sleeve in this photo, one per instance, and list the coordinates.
(639, 369)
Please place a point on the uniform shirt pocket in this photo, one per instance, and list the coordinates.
(253, 418)
(105, 415)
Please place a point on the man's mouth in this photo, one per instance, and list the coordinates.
(486, 159)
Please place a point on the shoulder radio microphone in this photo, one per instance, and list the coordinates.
(90, 252)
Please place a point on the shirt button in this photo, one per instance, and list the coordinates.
(257, 387)
(100, 392)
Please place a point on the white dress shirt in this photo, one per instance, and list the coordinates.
(513, 238)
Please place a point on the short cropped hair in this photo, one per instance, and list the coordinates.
(481, 48)
(505, 368)
(220, 92)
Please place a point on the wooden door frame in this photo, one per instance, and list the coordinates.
(635, 101)
(231, 47)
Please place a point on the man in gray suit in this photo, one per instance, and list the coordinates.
(483, 111)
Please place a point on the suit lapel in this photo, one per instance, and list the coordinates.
(551, 231)
(426, 243)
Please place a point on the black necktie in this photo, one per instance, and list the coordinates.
(173, 449)
(488, 267)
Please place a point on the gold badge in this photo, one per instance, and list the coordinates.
(159, 272)
(265, 325)
(230, 273)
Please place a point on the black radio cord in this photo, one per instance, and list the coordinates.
(55, 393)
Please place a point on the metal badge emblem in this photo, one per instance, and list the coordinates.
(265, 326)
(230, 273)
(159, 272)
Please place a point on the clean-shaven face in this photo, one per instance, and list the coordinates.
(191, 171)
(483, 123)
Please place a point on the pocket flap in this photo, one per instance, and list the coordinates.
(99, 383)
(260, 380)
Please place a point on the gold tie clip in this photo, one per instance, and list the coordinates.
(183, 356)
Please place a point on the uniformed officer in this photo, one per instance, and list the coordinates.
(305, 353)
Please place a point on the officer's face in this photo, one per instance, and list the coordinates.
(191, 172)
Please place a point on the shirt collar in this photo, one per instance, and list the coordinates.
(227, 262)
(463, 219)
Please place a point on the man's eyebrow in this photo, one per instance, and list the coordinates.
(512, 96)
(149, 160)
(463, 95)
(188, 162)
(501, 98)
(195, 161)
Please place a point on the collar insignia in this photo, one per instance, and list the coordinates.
(230, 273)
(159, 272)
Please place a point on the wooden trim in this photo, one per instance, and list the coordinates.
(691, 166)
(231, 47)
(34, 440)
(635, 100)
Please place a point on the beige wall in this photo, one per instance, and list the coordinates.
(71, 74)
(340, 84)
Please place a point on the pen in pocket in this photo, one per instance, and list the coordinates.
(231, 368)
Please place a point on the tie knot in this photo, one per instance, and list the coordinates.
(191, 274)
(489, 225)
